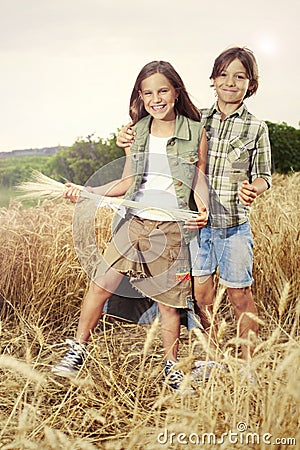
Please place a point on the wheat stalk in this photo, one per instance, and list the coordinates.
(39, 186)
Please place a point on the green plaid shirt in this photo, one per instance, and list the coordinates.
(238, 149)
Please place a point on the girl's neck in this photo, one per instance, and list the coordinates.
(162, 128)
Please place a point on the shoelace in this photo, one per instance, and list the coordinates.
(175, 377)
(76, 354)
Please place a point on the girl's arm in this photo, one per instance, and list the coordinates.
(114, 188)
(200, 188)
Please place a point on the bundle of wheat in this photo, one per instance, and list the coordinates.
(40, 186)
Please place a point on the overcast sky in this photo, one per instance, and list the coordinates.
(68, 66)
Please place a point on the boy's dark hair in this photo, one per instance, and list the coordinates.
(248, 60)
(184, 105)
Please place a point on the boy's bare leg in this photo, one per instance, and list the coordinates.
(170, 331)
(93, 303)
(204, 294)
(243, 303)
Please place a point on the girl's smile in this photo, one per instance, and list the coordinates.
(158, 96)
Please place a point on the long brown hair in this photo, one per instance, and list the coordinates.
(184, 105)
(247, 59)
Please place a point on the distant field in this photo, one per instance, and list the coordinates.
(9, 195)
(6, 194)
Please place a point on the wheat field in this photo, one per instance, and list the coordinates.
(119, 401)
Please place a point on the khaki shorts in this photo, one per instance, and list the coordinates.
(154, 256)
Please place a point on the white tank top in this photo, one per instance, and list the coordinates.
(157, 188)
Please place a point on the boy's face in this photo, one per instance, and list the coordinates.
(232, 84)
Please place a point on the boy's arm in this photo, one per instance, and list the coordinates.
(260, 170)
(249, 191)
(125, 136)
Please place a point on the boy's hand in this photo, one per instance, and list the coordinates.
(198, 222)
(125, 137)
(72, 192)
(247, 193)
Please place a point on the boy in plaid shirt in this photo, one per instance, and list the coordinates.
(238, 170)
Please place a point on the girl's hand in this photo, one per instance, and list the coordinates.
(125, 137)
(247, 193)
(72, 192)
(198, 222)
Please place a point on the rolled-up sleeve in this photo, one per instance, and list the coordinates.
(261, 163)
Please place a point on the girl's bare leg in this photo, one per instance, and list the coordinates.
(170, 331)
(92, 307)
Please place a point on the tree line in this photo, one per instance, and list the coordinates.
(87, 155)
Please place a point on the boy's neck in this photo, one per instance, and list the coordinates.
(163, 128)
(227, 108)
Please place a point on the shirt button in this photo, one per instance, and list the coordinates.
(172, 143)
(192, 159)
(179, 183)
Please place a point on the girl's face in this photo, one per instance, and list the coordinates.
(232, 83)
(158, 96)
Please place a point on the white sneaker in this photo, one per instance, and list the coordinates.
(203, 369)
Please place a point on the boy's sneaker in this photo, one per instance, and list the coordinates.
(203, 369)
(174, 377)
(246, 376)
(73, 360)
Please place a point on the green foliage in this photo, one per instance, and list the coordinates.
(85, 157)
(285, 143)
(76, 163)
(14, 170)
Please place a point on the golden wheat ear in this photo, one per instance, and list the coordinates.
(39, 186)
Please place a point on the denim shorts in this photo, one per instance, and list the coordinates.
(228, 249)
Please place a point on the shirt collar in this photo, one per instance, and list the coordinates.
(182, 129)
(238, 112)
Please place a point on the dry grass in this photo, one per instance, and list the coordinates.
(119, 401)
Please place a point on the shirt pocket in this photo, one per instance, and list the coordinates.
(137, 163)
(187, 162)
(240, 150)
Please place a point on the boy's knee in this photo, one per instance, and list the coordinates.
(241, 298)
(202, 299)
(203, 292)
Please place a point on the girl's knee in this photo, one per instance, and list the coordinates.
(169, 310)
(99, 288)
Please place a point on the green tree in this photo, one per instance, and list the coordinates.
(80, 161)
(285, 143)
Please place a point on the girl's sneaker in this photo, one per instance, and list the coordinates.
(73, 360)
(174, 378)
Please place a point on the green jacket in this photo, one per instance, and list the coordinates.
(182, 152)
